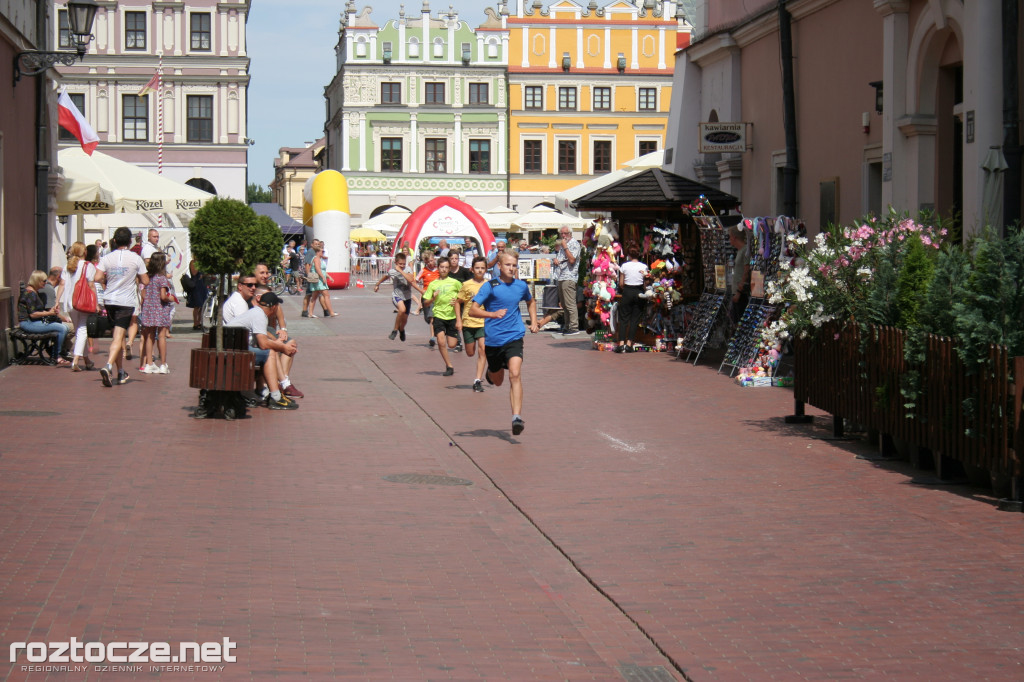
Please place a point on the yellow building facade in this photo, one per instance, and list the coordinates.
(589, 89)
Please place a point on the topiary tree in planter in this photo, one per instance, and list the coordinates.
(228, 237)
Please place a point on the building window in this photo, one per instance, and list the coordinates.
(602, 99)
(135, 113)
(438, 48)
(436, 154)
(387, 52)
(64, 30)
(200, 118)
(567, 99)
(647, 147)
(434, 93)
(135, 30)
(478, 93)
(479, 156)
(390, 93)
(602, 156)
(648, 99)
(201, 31)
(492, 49)
(534, 97)
(567, 156)
(391, 154)
(79, 100)
(414, 47)
(532, 156)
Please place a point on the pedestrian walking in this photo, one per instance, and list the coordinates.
(78, 267)
(402, 284)
(155, 315)
(472, 328)
(440, 296)
(120, 272)
(498, 304)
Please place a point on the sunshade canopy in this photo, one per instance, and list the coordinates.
(131, 189)
(366, 234)
(546, 218)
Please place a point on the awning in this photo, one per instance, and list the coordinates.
(285, 222)
(655, 189)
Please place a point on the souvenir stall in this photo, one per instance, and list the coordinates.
(648, 208)
(710, 312)
(771, 241)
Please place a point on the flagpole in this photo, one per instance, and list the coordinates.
(160, 127)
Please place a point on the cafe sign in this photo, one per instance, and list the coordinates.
(716, 138)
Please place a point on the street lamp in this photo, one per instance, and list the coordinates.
(81, 14)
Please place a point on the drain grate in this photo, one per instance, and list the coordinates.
(28, 413)
(426, 479)
(631, 672)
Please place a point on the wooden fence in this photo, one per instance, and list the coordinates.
(971, 417)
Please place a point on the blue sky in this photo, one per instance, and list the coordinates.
(291, 45)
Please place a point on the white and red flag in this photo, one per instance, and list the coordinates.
(151, 86)
(71, 119)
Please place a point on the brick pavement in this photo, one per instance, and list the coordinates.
(653, 517)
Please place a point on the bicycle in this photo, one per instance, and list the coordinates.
(296, 283)
(277, 282)
(211, 308)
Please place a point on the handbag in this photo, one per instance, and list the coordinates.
(97, 325)
(312, 277)
(186, 282)
(83, 299)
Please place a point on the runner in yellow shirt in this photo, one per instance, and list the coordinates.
(472, 328)
(440, 295)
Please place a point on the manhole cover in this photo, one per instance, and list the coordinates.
(426, 479)
(632, 672)
(28, 413)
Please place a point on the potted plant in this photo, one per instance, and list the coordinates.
(227, 237)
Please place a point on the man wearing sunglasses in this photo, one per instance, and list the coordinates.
(239, 302)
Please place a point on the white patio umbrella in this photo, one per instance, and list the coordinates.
(995, 167)
(79, 196)
(545, 218)
(132, 189)
(654, 159)
(499, 218)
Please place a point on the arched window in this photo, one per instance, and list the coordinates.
(203, 184)
(492, 48)
(361, 46)
(414, 47)
(438, 47)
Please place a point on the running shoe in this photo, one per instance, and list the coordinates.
(292, 392)
(285, 403)
(457, 349)
(517, 426)
(433, 343)
(401, 335)
(478, 386)
(305, 313)
(450, 371)
(122, 377)
(162, 369)
(393, 334)
(105, 372)
(151, 368)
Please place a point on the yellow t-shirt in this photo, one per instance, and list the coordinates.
(466, 293)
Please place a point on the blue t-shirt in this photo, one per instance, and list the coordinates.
(495, 295)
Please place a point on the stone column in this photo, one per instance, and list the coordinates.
(896, 38)
(413, 143)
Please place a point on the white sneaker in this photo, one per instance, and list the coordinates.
(151, 368)
(162, 369)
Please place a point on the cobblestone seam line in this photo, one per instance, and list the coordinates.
(576, 567)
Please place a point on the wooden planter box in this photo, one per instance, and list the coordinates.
(227, 370)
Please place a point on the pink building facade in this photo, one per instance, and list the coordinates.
(926, 143)
(204, 79)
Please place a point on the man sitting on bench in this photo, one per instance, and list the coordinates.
(266, 349)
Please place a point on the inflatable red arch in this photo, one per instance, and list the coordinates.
(444, 217)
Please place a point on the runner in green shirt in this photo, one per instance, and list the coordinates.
(441, 295)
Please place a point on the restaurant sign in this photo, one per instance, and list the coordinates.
(716, 138)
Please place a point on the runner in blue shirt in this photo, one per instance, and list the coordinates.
(498, 303)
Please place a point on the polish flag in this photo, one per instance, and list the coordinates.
(151, 86)
(71, 119)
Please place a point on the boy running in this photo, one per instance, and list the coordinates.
(440, 295)
(403, 283)
(472, 328)
(428, 273)
(498, 304)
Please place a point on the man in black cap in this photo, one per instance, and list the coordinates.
(266, 348)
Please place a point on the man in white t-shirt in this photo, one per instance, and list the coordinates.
(266, 348)
(151, 246)
(240, 302)
(120, 272)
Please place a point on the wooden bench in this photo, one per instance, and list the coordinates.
(33, 347)
(221, 376)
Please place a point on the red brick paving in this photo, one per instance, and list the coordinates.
(651, 514)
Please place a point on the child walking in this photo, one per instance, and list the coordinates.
(155, 316)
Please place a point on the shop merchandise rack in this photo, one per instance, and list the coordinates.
(746, 340)
(707, 313)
